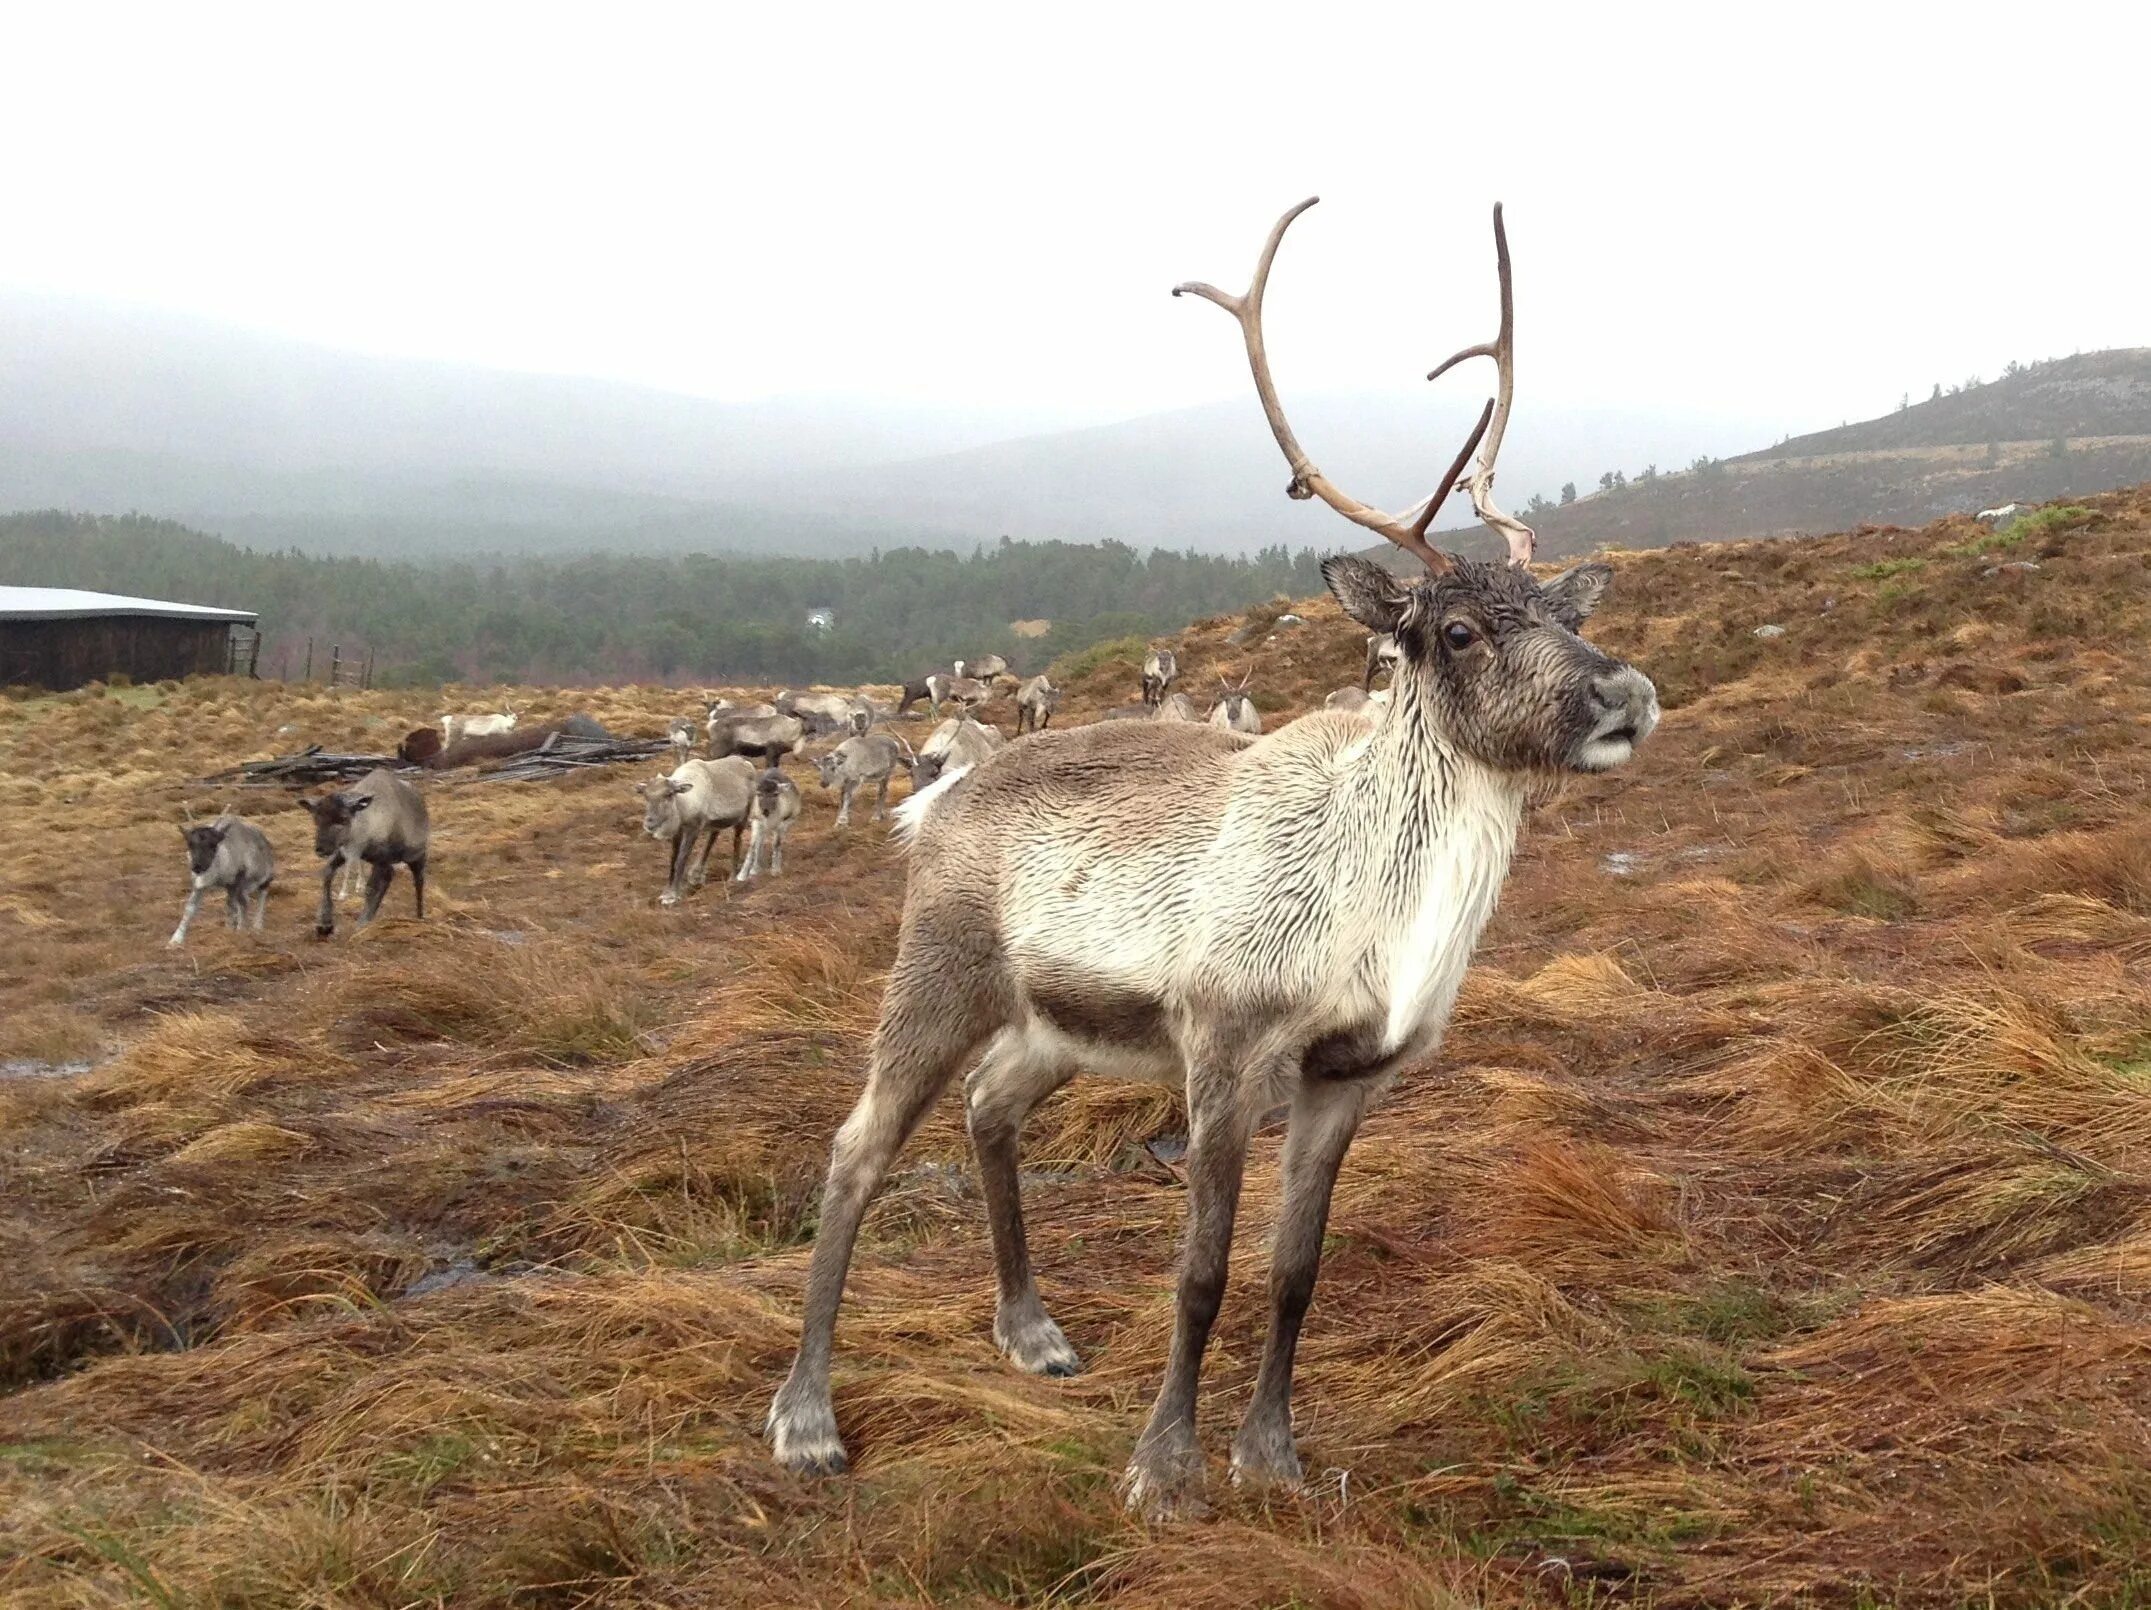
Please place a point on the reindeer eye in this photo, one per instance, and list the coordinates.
(1459, 635)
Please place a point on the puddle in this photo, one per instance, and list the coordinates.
(1933, 752)
(32, 1068)
(458, 1272)
(1167, 1149)
(507, 936)
(1623, 863)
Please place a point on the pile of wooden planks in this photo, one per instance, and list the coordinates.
(540, 752)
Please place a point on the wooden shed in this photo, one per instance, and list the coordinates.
(60, 638)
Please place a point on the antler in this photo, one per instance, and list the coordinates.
(1502, 349)
(1307, 481)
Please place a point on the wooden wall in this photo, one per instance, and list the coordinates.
(64, 654)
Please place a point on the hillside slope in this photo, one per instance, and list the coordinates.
(2059, 429)
(1774, 1227)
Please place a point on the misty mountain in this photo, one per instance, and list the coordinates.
(275, 442)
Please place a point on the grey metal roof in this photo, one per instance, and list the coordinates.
(69, 603)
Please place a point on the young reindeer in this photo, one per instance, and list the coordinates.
(1250, 920)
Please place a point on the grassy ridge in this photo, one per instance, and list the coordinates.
(1778, 1224)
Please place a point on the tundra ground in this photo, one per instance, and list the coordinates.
(1774, 1227)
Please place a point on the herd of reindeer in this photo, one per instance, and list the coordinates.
(1253, 919)
(380, 822)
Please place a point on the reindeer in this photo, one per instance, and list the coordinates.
(968, 692)
(769, 738)
(1381, 655)
(1160, 670)
(857, 761)
(986, 668)
(1036, 701)
(380, 820)
(1174, 707)
(694, 802)
(776, 808)
(1234, 710)
(822, 712)
(1249, 920)
(229, 854)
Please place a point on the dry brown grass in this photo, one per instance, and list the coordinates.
(1776, 1225)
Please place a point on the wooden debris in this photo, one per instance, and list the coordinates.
(543, 752)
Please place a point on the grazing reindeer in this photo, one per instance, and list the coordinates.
(1036, 701)
(1234, 710)
(776, 808)
(1381, 654)
(958, 743)
(1160, 670)
(685, 732)
(380, 820)
(1174, 707)
(986, 668)
(768, 738)
(1248, 920)
(229, 854)
(967, 692)
(822, 712)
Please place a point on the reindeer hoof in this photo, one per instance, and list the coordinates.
(1038, 1347)
(1163, 1481)
(805, 1440)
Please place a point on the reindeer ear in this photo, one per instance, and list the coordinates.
(358, 802)
(679, 788)
(1576, 592)
(1369, 594)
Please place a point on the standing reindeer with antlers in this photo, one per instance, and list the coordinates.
(1249, 920)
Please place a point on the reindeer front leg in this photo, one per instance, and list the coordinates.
(186, 917)
(1164, 1474)
(1325, 1117)
(325, 917)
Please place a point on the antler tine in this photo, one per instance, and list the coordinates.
(1307, 481)
(1502, 349)
(1448, 482)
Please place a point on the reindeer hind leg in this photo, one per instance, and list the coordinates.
(999, 1094)
(928, 1028)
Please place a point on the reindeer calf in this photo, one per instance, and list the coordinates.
(232, 855)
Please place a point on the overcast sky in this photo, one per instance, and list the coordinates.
(1802, 210)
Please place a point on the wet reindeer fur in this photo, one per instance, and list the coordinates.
(1254, 921)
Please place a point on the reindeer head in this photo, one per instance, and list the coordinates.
(203, 840)
(332, 816)
(660, 798)
(827, 766)
(1494, 659)
(1490, 653)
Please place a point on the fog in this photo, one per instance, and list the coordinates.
(1747, 223)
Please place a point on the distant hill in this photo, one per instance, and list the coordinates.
(2063, 428)
(276, 443)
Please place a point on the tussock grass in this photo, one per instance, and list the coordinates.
(1773, 1227)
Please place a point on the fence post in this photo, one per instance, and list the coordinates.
(368, 682)
(336, 663)
(309, 661)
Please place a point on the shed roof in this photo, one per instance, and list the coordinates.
(70, 603)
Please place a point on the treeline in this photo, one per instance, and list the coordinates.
(690, 618)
